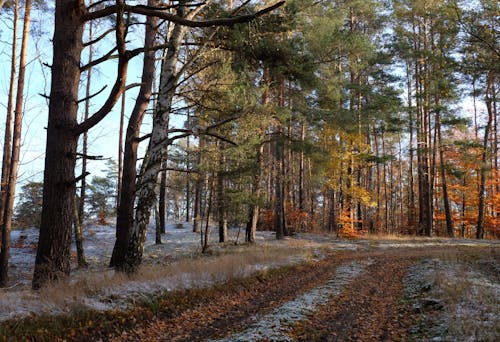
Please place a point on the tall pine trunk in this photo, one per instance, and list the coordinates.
(125, 210)
(442, 169)
(7, 143)
(484, 159)
(253, 211)
(53, 253)
(220, 195)
(198, 189)
(8, 208)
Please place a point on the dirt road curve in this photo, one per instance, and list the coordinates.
(366, 305)
(404, 291)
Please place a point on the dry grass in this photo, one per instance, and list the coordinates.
(467, 283)
(116, 288)
(396, 237)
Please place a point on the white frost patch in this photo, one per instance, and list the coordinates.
(275, 325)
(471, 302)
(434, 243)
(179, 243)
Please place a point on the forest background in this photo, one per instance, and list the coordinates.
(338, 116)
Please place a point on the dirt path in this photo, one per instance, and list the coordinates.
(365, 307)
(367, 310)
(345, 296)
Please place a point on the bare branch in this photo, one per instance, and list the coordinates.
(132, 85)
(179, 170)
(145, 137)
(106, 57)
(88, 157)
(77, 179)
(220, 137)
(93, 95)
(179, 20)
(121, 78)
(98, 38)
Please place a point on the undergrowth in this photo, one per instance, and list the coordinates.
(82, 324)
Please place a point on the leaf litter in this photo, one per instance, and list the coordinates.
(275, 325)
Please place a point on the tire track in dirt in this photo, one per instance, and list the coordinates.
(231, 306)
(368, 310)
(275, 325)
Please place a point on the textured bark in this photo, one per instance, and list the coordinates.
(157, 226)
(188, 178)
(444, 184)
(411, 190)
(279, 200)
(120, 147)
(206, 233)
(78, 231)
(53, 253)
(332, 223)
(425, 202)
(253, 212)
(302, 202)
(146, 193)
(125, 209)
(8, 208)
(7, 142)
(220, 198)
(197, 210)
(484, 158)
(83, 185)
(162, 203)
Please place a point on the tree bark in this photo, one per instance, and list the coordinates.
(7, 143)
(80, 213)
(206, 233)
(279, 205)
(442, 169)
(125, 210)
(146, 193)
(484, 158)
(162, 201)
(302, 201)
(253, 212)
(197, 210)
(188, 165)
(8, 208)
(53, 253)
(220, 196)
(78, 231)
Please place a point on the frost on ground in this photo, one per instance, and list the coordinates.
(275, 325)
(453, 302)
(175, 264)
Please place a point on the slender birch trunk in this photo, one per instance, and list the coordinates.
(146, 189)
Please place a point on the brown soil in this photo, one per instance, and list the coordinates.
(367, 310)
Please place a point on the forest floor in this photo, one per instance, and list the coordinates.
(308, 287)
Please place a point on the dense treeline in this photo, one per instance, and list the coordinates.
(339, 116)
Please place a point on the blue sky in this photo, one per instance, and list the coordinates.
(103, 139)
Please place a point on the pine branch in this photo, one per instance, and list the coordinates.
(137, 9)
